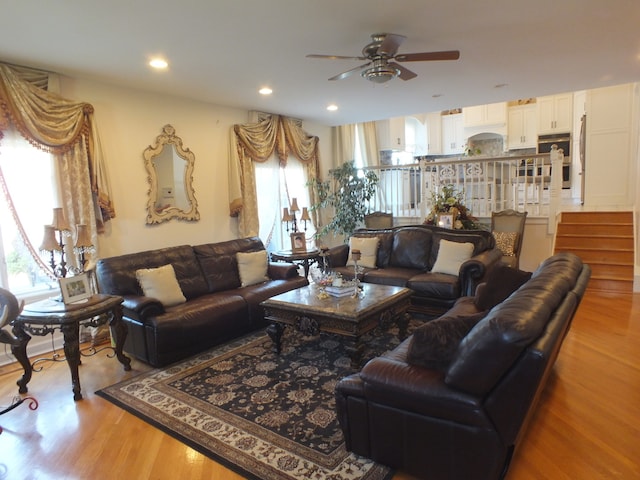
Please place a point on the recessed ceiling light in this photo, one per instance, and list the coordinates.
(437, 95)
(332, 108)
(158, 63)
(265, 91)
(500, 85)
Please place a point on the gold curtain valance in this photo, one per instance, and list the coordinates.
(47, 120)
(276, 133)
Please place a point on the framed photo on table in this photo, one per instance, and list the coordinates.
(75, 288)
(445, 221)
(298, 242)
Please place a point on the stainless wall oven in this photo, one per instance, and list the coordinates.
(563, 141)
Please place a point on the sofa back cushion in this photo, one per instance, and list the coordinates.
(219, 264)
(411, 248)
(385, 241)
(494, 344)
(481, 240)
(117, 275)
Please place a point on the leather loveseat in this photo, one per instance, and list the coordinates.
(464, 419)
(217, 307)
(406, 257)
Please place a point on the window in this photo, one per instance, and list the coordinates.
(276, 187)
(30, 180)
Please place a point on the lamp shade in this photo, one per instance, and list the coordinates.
(83, 238)
(49, 242)
(305, 215)
(59, 220)
(294, 205)
(286, 216)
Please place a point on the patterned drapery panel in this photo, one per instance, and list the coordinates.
(66, 129)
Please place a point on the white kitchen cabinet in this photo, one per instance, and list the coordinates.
(482, 115)
(611, 139)
(522, 127)
(391, 134)
(434, 133)
(453, 138)
(555, 113)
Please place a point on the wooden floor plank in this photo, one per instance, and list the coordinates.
(587, 424)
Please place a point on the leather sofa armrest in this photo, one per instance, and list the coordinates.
(139, 307)
(338, 256)
(282, 270)
(473, 271)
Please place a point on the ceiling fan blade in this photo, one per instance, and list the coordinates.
(344, 75)
(334, 57)
(390, 44)
(428, 56)
(405, 73)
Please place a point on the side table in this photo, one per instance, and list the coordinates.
(42, 318)
(299, 258)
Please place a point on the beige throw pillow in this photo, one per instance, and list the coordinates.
(451, 255)
(368, 247)
(252, 267)
(161, 283)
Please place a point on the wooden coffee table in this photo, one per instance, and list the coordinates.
(350, 318)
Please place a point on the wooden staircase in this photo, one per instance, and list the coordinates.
(604, 240)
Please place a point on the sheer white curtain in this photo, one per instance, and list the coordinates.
(28, 180)
(276, 187)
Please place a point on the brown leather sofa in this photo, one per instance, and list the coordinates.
(217, 308)
(465, 419)
(406, 256)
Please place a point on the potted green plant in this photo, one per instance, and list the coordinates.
(347, 192)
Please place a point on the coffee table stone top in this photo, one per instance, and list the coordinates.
(307, 300)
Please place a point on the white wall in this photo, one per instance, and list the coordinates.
(128, 122)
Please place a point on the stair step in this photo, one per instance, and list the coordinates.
(597, 217)
(601, 284)
(600, 242)
(589, 255)
(609, 229)
(611, 271)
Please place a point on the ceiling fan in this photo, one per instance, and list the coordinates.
(379, 53)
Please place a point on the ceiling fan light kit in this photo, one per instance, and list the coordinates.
(379, 52)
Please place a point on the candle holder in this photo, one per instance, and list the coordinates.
(355, 256)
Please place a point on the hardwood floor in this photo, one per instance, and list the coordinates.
(587, 424)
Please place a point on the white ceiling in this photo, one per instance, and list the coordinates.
(223, 51)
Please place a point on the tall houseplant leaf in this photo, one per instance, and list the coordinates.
(347, 192)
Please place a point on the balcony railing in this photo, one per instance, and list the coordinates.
(530, 183)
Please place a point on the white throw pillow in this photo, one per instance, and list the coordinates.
(252, 267)
(161, 283)
(451, 255)
(368, 247)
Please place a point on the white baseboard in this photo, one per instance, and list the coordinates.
(36, 346)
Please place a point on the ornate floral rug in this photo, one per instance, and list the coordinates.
(262, 415)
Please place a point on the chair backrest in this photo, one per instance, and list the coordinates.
(507, 227)
(378, 220)
(9, 307)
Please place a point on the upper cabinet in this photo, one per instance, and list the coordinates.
(483, 115)
(555, 113)
(453, 137)
(434, 133)
(391, 134)
(522, 127)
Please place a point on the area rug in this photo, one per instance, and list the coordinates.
(262, 415)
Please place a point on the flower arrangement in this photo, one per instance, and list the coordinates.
(448, 201)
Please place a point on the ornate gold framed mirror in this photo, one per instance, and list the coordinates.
(170, 169)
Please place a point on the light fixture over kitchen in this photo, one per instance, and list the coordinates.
(265, 91)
